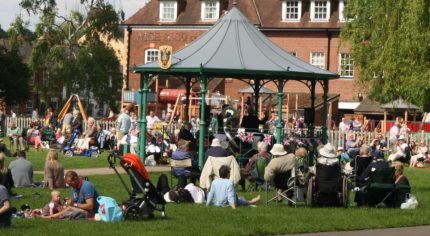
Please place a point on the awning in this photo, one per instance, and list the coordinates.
(348, 105)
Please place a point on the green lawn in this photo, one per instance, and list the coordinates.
(75, 162)
(189, 219)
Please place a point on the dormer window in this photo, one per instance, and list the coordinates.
(210, 10)
(291, 10)
(320, 10)
(168, 11)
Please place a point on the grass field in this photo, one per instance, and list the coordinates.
(192, 219)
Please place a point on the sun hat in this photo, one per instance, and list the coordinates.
(216, 143)
(401, 137)
(340, 148)
(278, 150)
(328, 151)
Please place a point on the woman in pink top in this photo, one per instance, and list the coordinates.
(34, 136)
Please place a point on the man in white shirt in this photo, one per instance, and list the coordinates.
(343, 127)
(151, 120)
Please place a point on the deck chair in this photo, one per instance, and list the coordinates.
(291, 193)
(380, 188)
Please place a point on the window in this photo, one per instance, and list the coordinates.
(168, 10)
(210, 10)
(291, 10)
(341, 9)
(318, 59)
(346, 65)
(320, 10)
(151, 55)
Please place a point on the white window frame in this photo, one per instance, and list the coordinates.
(350, 71)
(313, 10)
(341, 9)
(284, 11)
(151, 51)
(203, 10)
(175, 11)
(318, 62)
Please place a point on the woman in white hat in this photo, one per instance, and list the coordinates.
(402, 147)
(328, 155)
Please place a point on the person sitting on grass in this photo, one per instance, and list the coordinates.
(5, 206)
(54, 206)
(22, 170)
(83, 194)
(222, 192)
(54, 171)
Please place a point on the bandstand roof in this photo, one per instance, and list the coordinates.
(234, 47)
(263, 90)
(400, 104)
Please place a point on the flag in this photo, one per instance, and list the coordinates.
(250, 137)
(242, 136)
(268, 139)
(286, 142)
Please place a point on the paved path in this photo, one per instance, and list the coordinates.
(109, 171)
(409, 231)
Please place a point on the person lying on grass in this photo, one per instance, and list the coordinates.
(222, 192)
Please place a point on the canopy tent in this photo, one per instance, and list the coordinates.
(234, 48)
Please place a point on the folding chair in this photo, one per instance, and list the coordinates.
(291, 192)
(380, 188)
(186, 163)
(257, 173)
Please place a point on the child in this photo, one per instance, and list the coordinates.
(55, 206)
(223, 194)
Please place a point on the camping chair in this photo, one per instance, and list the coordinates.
(380, 187)
(291, 192)
(257, 172)
(186, 163)
(48, 135)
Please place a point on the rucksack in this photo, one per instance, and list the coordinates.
(109, 211)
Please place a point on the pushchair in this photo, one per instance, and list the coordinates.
(143, 197)
(70, 151)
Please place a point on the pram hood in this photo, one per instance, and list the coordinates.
(134, 161)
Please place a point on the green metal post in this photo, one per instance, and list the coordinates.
(324, 113)
(279, 124)
(187, 98)
(203, 82)
(312, 115)
(257, 96)
(142, 116)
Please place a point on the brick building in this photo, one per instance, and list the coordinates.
(309, 29)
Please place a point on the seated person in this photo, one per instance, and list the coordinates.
(48, 133)
(398, 175)
(111, 139)
(131, 139)
(22, 171)
(343, 157)
(352, 145)
(5, 206)
(102, 137)
(279, 166)
(34, 136)
(360, 162)
(216, 150)
(15, 134)
(402, 148)
(327, 156)
(153, 149)
(54, 206)
(181, 153)
(91, 132)
(421, 155)
(262, 152)
(59, 138)
(5, 173)
(83, 194)
(222, 192)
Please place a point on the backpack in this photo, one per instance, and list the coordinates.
(109, 211)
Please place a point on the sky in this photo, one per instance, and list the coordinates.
(9, 9)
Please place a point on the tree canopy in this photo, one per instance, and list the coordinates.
(69, 52)
(390, 43)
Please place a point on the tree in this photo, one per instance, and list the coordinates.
(390, 43)
(68, 50)
(14, 76)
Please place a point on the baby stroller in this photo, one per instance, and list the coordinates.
(70, 151)
(144, 198)
(328, 188)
